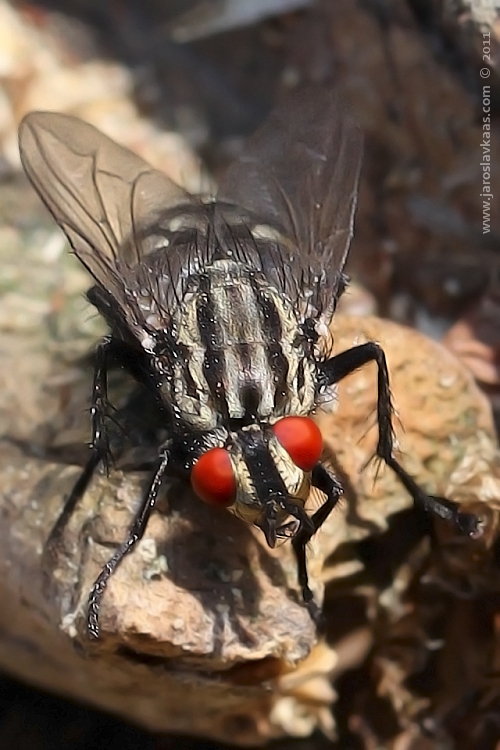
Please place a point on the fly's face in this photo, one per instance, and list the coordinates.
(263, 474)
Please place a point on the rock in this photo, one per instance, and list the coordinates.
(44, 65)
(202, 627)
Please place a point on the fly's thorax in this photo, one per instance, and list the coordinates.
(242, 352)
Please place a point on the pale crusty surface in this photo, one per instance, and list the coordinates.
(202, 625)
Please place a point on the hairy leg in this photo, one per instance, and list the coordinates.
(337, 368)
(135, 533)
(327, 483)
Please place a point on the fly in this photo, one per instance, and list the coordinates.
(218, 307)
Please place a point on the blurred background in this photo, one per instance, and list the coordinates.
(184, 82)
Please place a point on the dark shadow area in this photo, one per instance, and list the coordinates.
(32, 720)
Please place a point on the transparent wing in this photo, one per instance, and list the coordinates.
(299, 175)
(286, 208)
(100, 193)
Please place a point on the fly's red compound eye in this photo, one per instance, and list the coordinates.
(212, 478)
(301, 439)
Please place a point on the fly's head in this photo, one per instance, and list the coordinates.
(262, 474)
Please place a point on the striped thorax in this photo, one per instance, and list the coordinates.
(245, 356)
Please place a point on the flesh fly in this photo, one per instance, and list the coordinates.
(218, 306)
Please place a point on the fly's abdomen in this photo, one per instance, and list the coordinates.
(244, 359)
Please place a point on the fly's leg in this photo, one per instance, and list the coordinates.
(331, 487)
(99, 445)
(337, 368)
(135, 533)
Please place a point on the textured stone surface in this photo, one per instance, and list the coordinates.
(202, 627)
